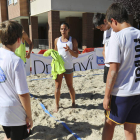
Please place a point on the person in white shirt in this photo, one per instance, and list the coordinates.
(122, 93)
(100, 23)
(15, 108)
(67, 48)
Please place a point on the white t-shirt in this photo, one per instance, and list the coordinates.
(12, 83)
(66, 56)
(106, 37)
(126, 52)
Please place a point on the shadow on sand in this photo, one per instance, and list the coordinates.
(83, 96)
(78, 96)
(82, 129)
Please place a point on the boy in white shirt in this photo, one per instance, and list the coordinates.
(122, 94)
(100, 23)
(15, 108)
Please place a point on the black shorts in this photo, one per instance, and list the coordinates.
(16, 132)
(106, 69)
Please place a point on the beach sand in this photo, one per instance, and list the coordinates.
(87, 120)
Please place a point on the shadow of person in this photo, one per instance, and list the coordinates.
(42, 96)
(89, 107)
(78, 96)
(87, 96)
(84, 96)
(82, 129)
(1, 132)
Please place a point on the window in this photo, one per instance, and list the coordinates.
(10, 2)
(15, 1)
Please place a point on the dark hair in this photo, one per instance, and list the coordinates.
(117, 12)
(98, 19)
(65, 24)
(10, 31)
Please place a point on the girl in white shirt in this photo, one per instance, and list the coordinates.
(66, 47)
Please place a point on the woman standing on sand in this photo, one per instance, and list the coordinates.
(66, 47)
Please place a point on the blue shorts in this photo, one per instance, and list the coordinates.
(124, 109)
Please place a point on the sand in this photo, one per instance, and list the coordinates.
(87, 120)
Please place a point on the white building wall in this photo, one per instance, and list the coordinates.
(40, 6)
(81, 5)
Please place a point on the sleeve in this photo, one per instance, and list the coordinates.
(114, 51)
(20, 78)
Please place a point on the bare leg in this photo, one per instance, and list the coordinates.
(69, 81)
(108, 130)
(58, 82)
(130, 131)
(5, 138)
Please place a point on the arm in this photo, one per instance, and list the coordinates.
(111, 79)
(23, 91)
(103, 52)
(55, 44)
(27, 39)
(73, 52)
(25, 101)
